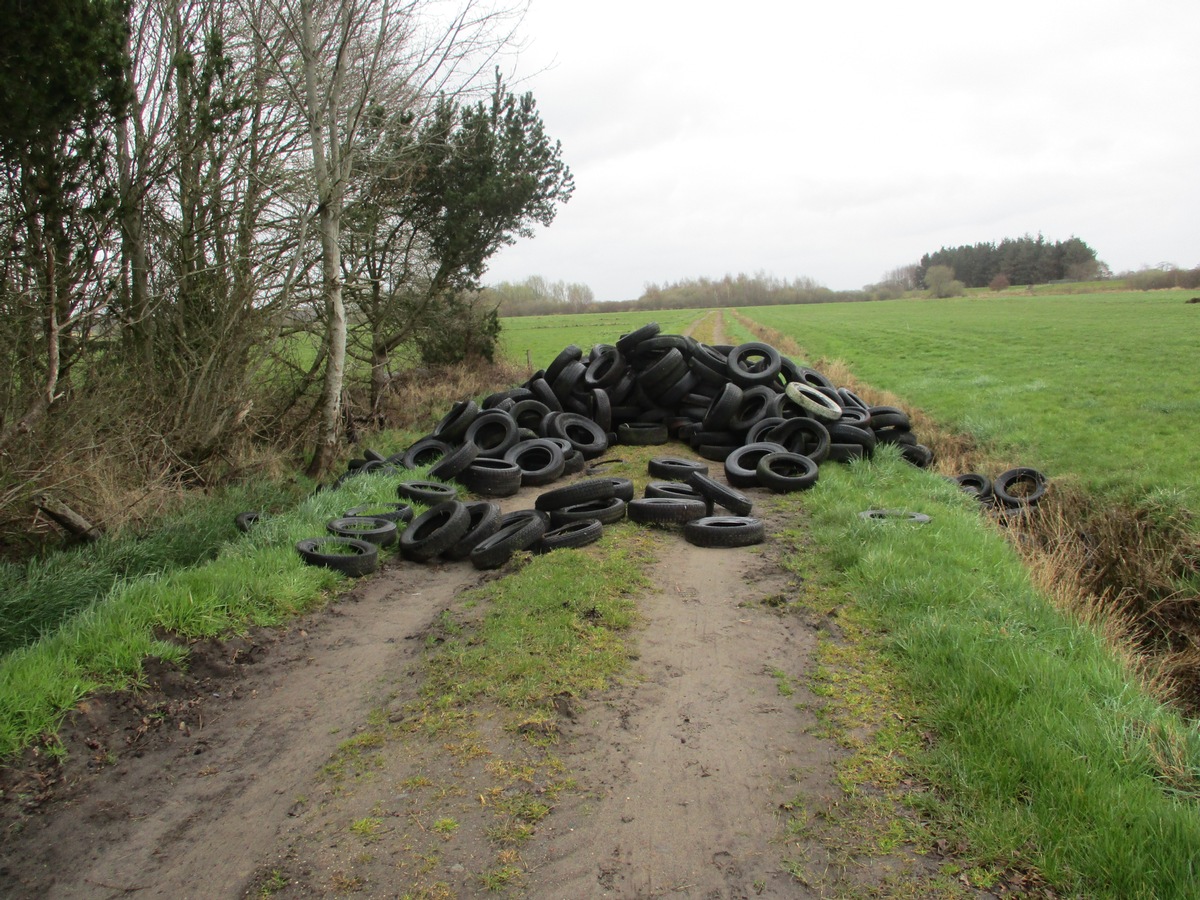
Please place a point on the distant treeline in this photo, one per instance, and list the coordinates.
(1024, 260)
(537, 297)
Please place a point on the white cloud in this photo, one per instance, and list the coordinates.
(837, 141)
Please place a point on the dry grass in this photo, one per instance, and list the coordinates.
(1123, 569)
(114, 466)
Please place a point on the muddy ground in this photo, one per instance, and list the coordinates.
(290, 763)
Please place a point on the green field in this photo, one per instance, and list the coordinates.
(1102, 386)
(544, 337)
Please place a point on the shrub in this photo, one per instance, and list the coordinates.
(999, 283)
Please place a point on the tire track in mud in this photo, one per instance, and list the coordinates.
(196, 816)
(687, 768)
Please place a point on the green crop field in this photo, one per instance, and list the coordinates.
(543, 337)
(1102, 386)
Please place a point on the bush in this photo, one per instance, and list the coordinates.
(941, 282)
(999, 283)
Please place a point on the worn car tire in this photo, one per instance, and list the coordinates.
(571, 494)
(741, 466)
(497, 549)
(349, 556)
(579, 533)
(787, 472)
(372, 529)
(609, 512)
(724, 531)
(725, 497)
(675, 468)
(1031, 481)
(426, 492)
(435, 531)
(485, 521)
(665, 510)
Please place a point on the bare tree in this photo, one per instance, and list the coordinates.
(354, 62)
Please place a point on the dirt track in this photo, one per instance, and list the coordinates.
(235, 780)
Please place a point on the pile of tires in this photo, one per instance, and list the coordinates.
(1016, 490)
(770, 421)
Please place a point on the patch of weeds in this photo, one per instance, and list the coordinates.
(341, 883)
(445, 826)
(273, 883)
(783, 683)
(415, 781)
(367, 827)
(504, 875)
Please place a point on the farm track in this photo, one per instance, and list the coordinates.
(216, 783)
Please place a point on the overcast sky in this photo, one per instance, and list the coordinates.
(839, 140)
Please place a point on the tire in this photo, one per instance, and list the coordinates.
(715, 452)
(845, 453)
(840, 433)
(541, 461)
(724, 531)
(247, 520)
(720, 495)
(365, 528)
(978, 486)
(568, 380)
(813, 401)
(722, 410)
(609, 512)
(569, 354)
(895, 435)
(605, 368)
(642, 434)
(428, 493)
(574, 463)
(584, 434)
(896, 515)
(676, 489)
(435, 531)
(571, 535)
(529, 414)
(853, 415)
(455, 462)
(805, 436)
(393, 512)
(922, 457)
(1031, 480)
(622, 488)
(627, 343)
(425, 451)
(492, 477)
(485, 521)
(743, 369)
(579, 492)
(756, 401)
(493, 432)
(741, 466)
(889, 417)
(346, 555)
(497, 549)
(665, 510)
(455, 423)
(601, 412)
(675, 468)
(508, 518)
(542, 392)
(785, 473)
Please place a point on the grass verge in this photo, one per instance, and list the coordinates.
(1041, 751)
(255, 579)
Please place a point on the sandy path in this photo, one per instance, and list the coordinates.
(694, 762)
(681, 771)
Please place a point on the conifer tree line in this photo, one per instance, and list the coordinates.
(1024, 260)
(221, 218)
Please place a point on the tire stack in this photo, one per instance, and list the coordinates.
(769, 420)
